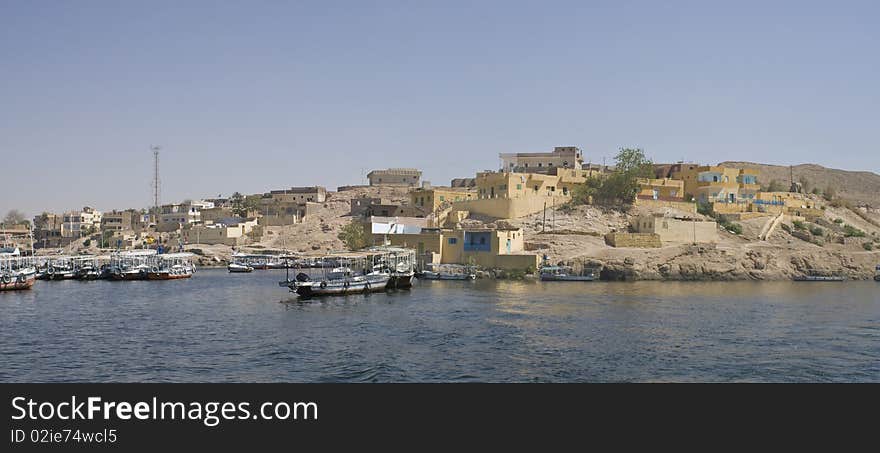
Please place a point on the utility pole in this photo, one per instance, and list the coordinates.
(544, 222)
(155, 149)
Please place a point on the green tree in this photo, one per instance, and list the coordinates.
(829, 193)
(776, 186)
(241, 204)
(15, 217)
(621, 186)
(354, 235)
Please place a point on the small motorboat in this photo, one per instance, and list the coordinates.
(236, 268)
(566, 274)
(339, 282)
(817, 277)
(448, 272)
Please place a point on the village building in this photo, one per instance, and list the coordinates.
(127, 220)
(677, 229)
(547, 162)
(313, 194)
(374, 206)
(486, 247)
(47, 231)
(405, 177)
(231, 231)
(463, 182)
(76, 224)
(708, 184)
(432, 198)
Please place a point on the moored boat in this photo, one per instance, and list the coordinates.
(816, 277)
(338, 282)
(448, 272)
(172, 266)
(239, 268)
(16, 272)
(877, 273)
(566, 274)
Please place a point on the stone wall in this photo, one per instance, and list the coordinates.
(635, 240)
(687, 206)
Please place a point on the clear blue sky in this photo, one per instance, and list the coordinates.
(252, 96)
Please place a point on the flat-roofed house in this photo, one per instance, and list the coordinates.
(405, 177)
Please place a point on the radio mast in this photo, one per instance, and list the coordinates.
(155, 149)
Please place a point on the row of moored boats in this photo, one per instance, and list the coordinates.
(20, 272)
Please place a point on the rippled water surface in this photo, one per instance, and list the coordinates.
(243, 327)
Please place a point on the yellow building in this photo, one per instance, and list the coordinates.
(433, 198)
(488, 248)
(661, 189)
(710, 183)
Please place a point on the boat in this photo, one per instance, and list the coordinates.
(448, 272)
(16, 272)
(138, 272)
(877, 273)
(239, 268)
(172, 266)
(816, 277)
(131, 265)
(340, 281)
(363, 272)
(60, 271)
(398, 262)
(566, 274)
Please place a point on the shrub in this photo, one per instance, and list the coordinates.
(817, 231)
(838, 221)
(87, 242)
(705, 209)
(734, 228)
(354, 236)
(868, 246)
(785, 227)
(798, 225)
(852, 232)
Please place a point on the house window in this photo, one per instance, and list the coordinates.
(453, 241)
(519, 187)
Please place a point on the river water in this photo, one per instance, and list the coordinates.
(244, 328)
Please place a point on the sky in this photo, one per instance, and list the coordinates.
(253, 96)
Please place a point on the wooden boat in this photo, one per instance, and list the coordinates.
(138, 272)
(566, 274)
(338, 282)
(448, 272)
(239, 268)
(813, 277)
(432, 275)
(172, 266)
(16, 272)
(170, 273)
(17, 280)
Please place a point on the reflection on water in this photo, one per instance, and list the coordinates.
(243, 327)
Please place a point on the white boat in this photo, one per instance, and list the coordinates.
(339, 281)
(566, 274)
(16, 272)
(172, 266)
(448, 272)
(239, 268)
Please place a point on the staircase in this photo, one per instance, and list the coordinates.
(770, 227)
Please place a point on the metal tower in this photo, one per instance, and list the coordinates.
(155, 150)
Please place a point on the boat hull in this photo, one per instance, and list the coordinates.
(435, 276)
(17, 285)
(818, 279)
(400, 281)
(567, 278)
(128, 276)
(340, 288)
(167, 276)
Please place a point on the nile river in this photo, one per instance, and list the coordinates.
(244, 328)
